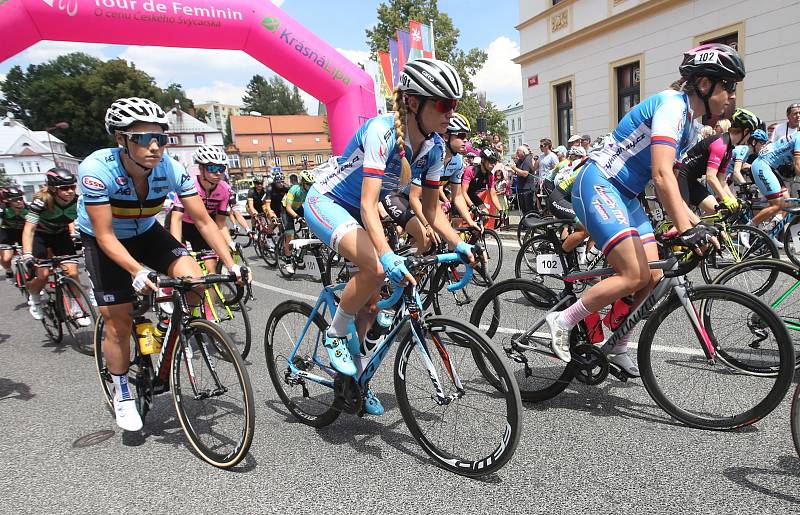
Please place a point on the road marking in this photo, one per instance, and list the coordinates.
(285, 292)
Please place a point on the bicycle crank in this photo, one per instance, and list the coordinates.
(591, 365)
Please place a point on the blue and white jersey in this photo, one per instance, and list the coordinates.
(372, 153)
(103, 180)
(739, 154)
(780, 152)
(453, 173)
(662, 119)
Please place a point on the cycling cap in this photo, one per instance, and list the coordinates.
(209, 154)
(60, 177)
(126, 111)
(712, 60)
(431, 78)
(744, 119)
(12, 192)
(277, 176)
(458, 123)
(257, 179)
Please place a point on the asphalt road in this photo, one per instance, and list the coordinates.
(605, 448)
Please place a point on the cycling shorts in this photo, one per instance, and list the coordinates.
(397, 207)
(329, 219)
(609, 216)
(560, 206)
(156, 248)
(766, 179)
(60, 244)
(192, 236)
(692, 191)
(9, 237)
(288, 221)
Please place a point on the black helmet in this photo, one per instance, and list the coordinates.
(713, 60)
(12, 192)
(488, 154)
(60, 177)
(744, 119)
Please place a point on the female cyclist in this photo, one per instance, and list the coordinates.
(12, 220)
(643, 147)
(292, 204)
(342, 206)
(782, 152)
(744, 155)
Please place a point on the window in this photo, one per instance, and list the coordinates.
(255, 142)
(318, 159)
(262, 161)
(628, 88)
(172, 140)
(563, 94)
(316, 139)
(277, 160)
(519, 123)
(199, 139)
(248, 162)
(304, 158)
(38, 170)
(233, 159)
(290, 160)
(512, 125)
(288, 140)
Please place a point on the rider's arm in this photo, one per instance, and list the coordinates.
(796, 154)
(194, 206)
(738, 178)
(415, 203)
(461, 205)
(662, 158)
(221, 220)
(176, 224)
(27, 237)
(713, 181)
(287, 201)
(250, 209)
(370, 191)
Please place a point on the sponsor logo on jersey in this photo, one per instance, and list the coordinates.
(123, 191)
(122, 181)
(93, 183)
(601, 192)
(598, 206)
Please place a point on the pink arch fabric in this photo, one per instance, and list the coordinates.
(257, 27)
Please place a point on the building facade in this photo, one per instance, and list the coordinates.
(291, 142)
(585, 63)
(26, 155)
(218, 113)
(516, 134)
(187, 134)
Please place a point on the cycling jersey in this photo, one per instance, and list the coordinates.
(566, 184)
(662, 119)
(295, 197)
(104, 180)
(216, 200)
(453, 173)
(713, 152)
(781, 152)
(372, 153)
(476, 181)
(54, 220)
(258, 199)
(9, 219)
(739, 155)
(276, 191)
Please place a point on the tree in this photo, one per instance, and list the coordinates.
(227, 136)
(495, 119)
(201, 114)
(272, 96)
(166, 98)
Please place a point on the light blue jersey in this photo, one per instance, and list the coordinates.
(739, 155)
(780, 152)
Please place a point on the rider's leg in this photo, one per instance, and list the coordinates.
(415, 229)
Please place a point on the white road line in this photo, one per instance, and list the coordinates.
(285, 292)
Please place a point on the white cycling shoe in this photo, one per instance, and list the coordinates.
(624, 361)
(35, 309)
(81, 317)
(128, 418)
(559, 337)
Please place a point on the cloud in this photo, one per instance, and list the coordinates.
(220, 91)
(500, 77)
(355, 56)
(48, 50)
(278, 2)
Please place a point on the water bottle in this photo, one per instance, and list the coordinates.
(144, 336)
(158, 334)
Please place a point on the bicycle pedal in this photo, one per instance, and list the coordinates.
(618, 373)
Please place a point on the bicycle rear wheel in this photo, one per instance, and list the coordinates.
(77, 308)
(712, 394)
(791, 241)
(493, 246)
(794, 419)
(233, 318)
(465, 423)
(457, 304)
(311, 402)
(212, 394)
(746, 243)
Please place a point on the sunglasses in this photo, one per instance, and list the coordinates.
(728, 85)
(145, 138)
(16, 199)
(71, 187)
(216, 169)
(445, 105)
(460, 135)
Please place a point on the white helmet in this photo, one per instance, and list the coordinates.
(209, 154)
(126, 111)
(431, 78)
(577, 151)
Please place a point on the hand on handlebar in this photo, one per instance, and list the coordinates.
(699, 237)
(242, 274)
(395, 268)
(142, 283)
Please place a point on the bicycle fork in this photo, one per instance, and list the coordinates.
(418, 332)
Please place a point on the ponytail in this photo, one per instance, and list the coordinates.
(683, 84)
(400, 112)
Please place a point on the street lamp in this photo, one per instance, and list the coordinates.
(59, 125)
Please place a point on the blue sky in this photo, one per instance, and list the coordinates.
(224, 74)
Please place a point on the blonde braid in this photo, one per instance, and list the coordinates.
(400, 112)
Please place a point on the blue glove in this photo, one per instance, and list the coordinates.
(394, 266)
(464, 249)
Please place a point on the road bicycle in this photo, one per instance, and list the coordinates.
(465, 423)
(487, 239)
(681, 365)
(20, 274)
(199, 364)
(306, 252)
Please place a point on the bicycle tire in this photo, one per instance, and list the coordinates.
(791, 247)
(81, 340)
(135, 366)
(20, 279)
(236, 323)
(548, 377)
(267, 253)
(226, 353)
(495, 262)
(51, 319)
(298, 400)
(525, 265)
(702, 418)
(794, 419)
(524, 233)
(336, 270)
(434, 292)
(282, 259)
(759, 246)
(448, 336)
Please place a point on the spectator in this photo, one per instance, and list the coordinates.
(722, 126)
(771, 130)
(561, 153)
(705, 131)
(501, 186)
(788, 127)
(573, 141)
(497, 145)
(586, 142)
(523, 168)
(544, 165)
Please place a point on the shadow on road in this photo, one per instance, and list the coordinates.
(778, 482)
(13, 390)
(4, 337)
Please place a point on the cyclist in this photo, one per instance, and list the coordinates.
(643, 147)
(275, 193)
(123, 190)
(744, 155)
(256, 198)
(234, 213)
(12, 220)
(478, 181)
(215, 194)
(778, 153)
(710, 158)
(342, 206)
(292, 204)
(559, 200)
(49, 225)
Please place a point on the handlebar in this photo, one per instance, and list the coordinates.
(56, 260)
(185, 284)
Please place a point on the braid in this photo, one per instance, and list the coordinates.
(400, 112)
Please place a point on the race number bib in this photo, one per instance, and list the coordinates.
(658, 215)
(311, 263)
(549, 264)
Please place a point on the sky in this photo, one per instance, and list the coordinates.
(223, 75)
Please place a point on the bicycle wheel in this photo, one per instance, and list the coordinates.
(506, 313)
(138, 370)
(475, 431)
(50, 317)
(336, 270)
(791, 243)
(525, 263)
(457, 304)
(20, 278)
(493, 246)
(266, 246)
(309, 401)
(76, 308)
(711, 394)
(794, 419)
(524, 233)
(234, 319)
(745, 243)
(212, 394)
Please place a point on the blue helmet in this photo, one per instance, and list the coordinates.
(759, 135)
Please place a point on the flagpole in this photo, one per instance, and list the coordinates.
(433, 41)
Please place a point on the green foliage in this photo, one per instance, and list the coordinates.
(272, 96)
(201, 114)
(227, 136)
(495, 119)
(166, 98)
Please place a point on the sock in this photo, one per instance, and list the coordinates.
(340, 322)
(36, 298)
(622, 345)
(122, 389)
(572, 315)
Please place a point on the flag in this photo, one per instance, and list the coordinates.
(385, 73)
(403, 47)
(394, 57)
(427, 41)
(415, 31)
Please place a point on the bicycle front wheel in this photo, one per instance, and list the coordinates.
(51, 318)
(745, 243)
(79, 315)
(212, 394)
(711, 393)
(233, 318)
(794, 419)
(493, 246)
(464, 422)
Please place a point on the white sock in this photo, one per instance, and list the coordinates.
(122, 388)
(36, 298)
(340, 322)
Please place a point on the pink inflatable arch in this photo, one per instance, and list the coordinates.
(257, 27)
